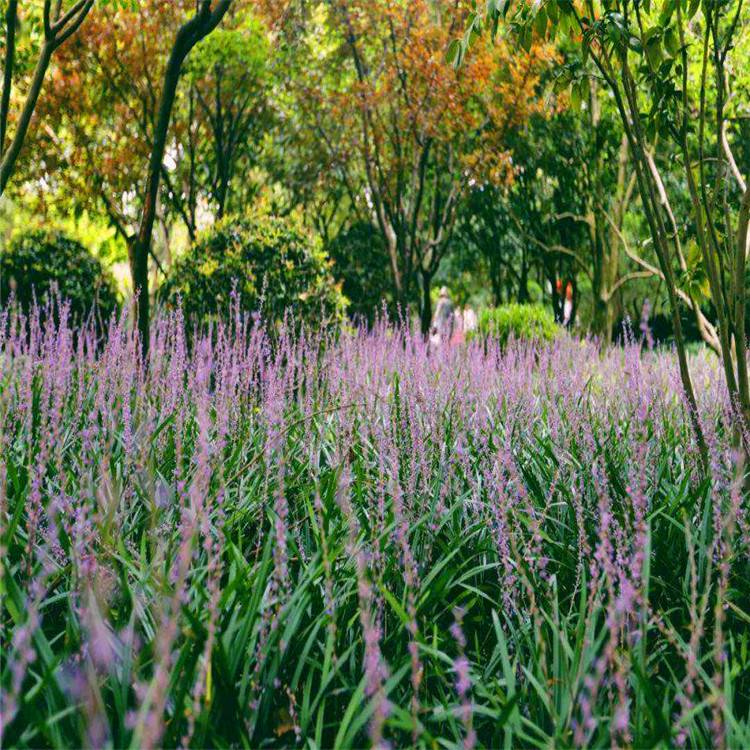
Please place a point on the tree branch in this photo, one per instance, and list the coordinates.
(554, 249)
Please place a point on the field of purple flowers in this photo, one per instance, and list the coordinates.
(342, 541)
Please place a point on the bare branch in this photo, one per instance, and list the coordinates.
(626, 278)
(47, 19)
(589, 220)
(667, 206)
(74, 24)
(61, 22)
(556, 248)
(707, 330)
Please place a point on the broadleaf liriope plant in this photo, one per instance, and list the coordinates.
(342, 540)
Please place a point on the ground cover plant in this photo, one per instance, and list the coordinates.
(344, 539)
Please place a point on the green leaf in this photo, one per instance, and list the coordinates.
(654, 52)
(526, 38)
(667, 11)
(671, 42)
(540, 23)
(576, 96)
(453, 53)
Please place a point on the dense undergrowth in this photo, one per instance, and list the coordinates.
(342, 542)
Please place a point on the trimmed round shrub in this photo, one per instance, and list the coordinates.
(40, 265)
(521, 322)
(274, 265)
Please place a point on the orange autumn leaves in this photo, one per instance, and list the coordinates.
(101, 101)
(104, 87)
(93, 130)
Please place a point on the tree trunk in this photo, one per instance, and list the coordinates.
(8, 162)
(11, 18)
(56, 31)
(142, 243)
(139, 276)
(743, 238)
(631, 121)
(599, 316)
(496, 282)
(187, 37)
(222, 184)
(602, 321)
(523, 281)
(425, 312)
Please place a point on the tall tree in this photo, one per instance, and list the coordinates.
(402, 130)
(227, 108)
(102, 112)
(570, 202)
(113, 128)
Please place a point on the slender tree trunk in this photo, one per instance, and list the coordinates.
(523, 281)
(601, 323)
(11, 19)
(57, 29)
(574, 302)
(187, 37)
(658, 234)
(604, 303)
(603, 282)
(709, 261)
(139, 277)
(557, 298)
(222, 194)
(630, 117)
(222, 199)
(167, 241)
(8, 162)
(496, 282)
(425, 312)
(142, 243)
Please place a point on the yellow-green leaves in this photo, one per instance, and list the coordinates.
(653, 48)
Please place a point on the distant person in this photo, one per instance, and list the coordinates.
(434, 343)
(443, 321)
(457, 337)
(565, 302)
(568, 305)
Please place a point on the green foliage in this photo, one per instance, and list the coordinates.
(24, 214)
(230, 79)
(361, 264)
(37, 264)
(520, 322)
(274, 264)
(239, 53)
